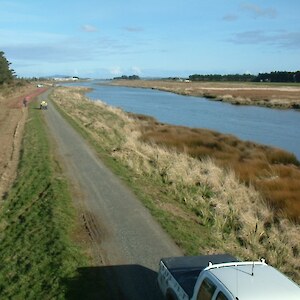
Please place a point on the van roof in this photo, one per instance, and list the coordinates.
(255, 281)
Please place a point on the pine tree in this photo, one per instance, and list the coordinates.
(6, 74)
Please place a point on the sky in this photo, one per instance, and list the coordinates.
(153, 38)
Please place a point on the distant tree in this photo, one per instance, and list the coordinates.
(218, 77)
(131, 77)
(6, 74)
(296, 76)
(279, 76)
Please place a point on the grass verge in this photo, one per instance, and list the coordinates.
(36, 222)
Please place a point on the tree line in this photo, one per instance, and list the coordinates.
(6, 73)
(125, 77)
(277, 76)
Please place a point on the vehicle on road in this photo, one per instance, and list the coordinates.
(44, 105)
(223, 277)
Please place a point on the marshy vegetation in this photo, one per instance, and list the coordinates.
(274, 172)
(211, 192)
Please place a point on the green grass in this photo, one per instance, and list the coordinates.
(36, 222)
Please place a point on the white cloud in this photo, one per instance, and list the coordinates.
(257, 11)
(133, 29)
(283, 39)
(21, 37)
(230, 18)
(89, 28)
(116, 70)
(136, 70)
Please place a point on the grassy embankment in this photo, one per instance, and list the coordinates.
(202, 204)
(36, 222)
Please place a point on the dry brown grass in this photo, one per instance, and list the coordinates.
(272, 171)
(199, 191)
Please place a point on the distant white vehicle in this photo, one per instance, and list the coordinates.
(39, 86)
(222, 277)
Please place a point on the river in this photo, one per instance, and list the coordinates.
(274, 127)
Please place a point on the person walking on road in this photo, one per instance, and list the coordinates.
(25, 101)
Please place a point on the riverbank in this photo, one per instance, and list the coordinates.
(202, 205)
(272, 95)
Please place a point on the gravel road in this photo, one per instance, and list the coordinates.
(126, 242)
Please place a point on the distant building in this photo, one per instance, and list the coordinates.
(73, 78)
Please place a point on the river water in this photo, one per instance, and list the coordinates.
(274, 127)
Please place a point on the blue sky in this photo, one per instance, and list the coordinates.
(103, 39)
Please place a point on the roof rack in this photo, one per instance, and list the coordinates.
(235, 264)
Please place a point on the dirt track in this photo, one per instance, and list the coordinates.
(12, 119)
(125, 242)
